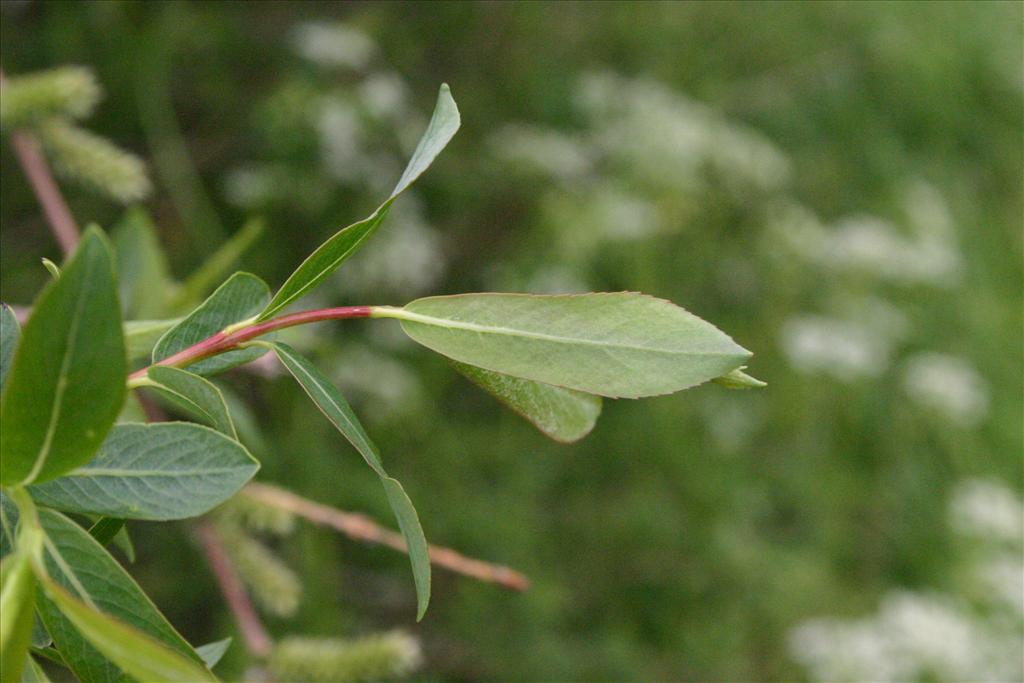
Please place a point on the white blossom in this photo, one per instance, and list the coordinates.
(947, 385)
(845, 349)
(333, 45)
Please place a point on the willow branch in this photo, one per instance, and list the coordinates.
(254, 634)
(362, 528)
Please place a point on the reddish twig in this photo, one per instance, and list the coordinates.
(254, 634)
(361, 527)
(221, 342)
(58, 215)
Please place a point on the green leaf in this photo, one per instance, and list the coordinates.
(737, 379)
(52, 268)
(332, 404)
(617, 345)
(166, 470)
(194, 394)
(84, 576)
(241, 297)
(140, 336)
(212, 652)
(9, 333)
(141, 265)
(138, 655)
(17, 596)
(332, 253)
(67, 381)
(33, 673)
(8, 524)
(562, 414)
(105, 529)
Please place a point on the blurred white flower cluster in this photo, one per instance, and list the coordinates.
(931, 636)
(362, 129)
(947, 386)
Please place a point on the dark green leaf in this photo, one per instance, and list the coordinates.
(67, 381)
(90, 576)
(241, 297)
(332, 404)
(332, 253)
(166, 470)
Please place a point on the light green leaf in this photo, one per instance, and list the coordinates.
(562, 414)
(196, 395)
(33, 673)
(160, 471)
(138, 655)
(52, 268)
(9, 333)
(141, 265)
(67, 381)
(617, 345)
(241, 297)
(17, 597)
(332, 404)
(212, 652)
(140, 336)
(84, 576)
(737, 379)
(332, 253)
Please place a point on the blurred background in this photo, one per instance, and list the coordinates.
(836, 185)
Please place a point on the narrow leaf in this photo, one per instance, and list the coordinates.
(52, 268)
(213, 652)
(562, 414)
(617, 345)
(17, 596)
(105, 528)
(167, 470)
(139, 655)
(241, 297)
(194, 394)
(66, 383)
(142, 266)
(332, 253)
(333, 405)
(9, 333)
(737, 379)
(33, 673)
(82, 570)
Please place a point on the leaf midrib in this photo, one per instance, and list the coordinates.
(115, 472)
(410, 316)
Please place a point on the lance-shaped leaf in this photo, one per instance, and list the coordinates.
(17, 597)
(9, 333)
(33, 673)
(66, 383)
(332, 404)
(242, 296)
(87, 590)
(168, 470)
(137, 654)
(194, 394)
(562, 414)
(617, 345)
(213, 652)
(332, 253)
(737, 379)
(142, 269)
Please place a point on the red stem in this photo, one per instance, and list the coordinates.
(220, 342)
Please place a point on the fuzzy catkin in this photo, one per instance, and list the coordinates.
(70, 91)
(371, 658)
(93, 161)
(257, 516)
(272, 583)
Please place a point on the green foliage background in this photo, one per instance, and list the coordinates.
(688, 534)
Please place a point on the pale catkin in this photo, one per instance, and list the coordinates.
(93, 161)
(382, 656)
(274, 585)
(70, 91)
(257, 516)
